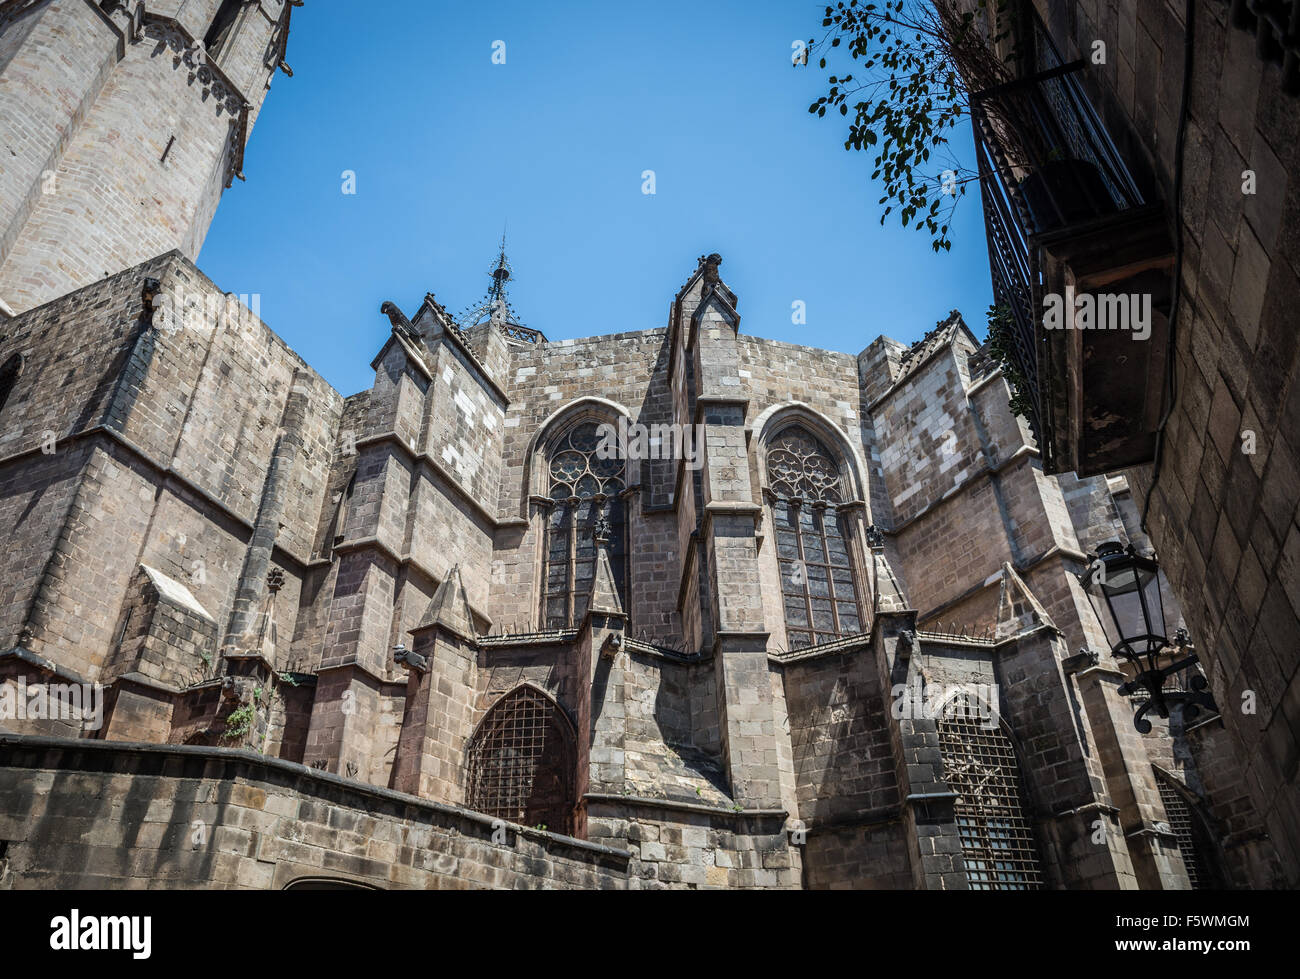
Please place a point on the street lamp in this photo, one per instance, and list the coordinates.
(1124, 588)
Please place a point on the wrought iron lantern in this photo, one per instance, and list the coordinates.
(1124, 588)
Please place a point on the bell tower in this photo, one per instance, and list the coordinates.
(121, 124)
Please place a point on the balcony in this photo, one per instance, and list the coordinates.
(1067, 217)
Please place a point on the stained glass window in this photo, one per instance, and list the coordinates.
(812, 546)
(583, 488)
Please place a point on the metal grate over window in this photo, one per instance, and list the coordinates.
(583, 489)
(997, 842)
(817, 580)
(520, 763)
(1200, 871)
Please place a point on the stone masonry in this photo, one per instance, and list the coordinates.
(1223, 514)
(821, 628)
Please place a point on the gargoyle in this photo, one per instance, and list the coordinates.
(412, 659)
(400, 323)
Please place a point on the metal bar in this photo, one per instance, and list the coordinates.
(1029, 80)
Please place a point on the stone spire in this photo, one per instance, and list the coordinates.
(495, 309)
(1019, 610)
(500, 276)
(887, 592)
(603, 599)
(449, 608)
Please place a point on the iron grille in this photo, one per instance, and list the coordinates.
(1199, 869)
(520, 763)
(1276, 26)
(997, 842)
(524, 334)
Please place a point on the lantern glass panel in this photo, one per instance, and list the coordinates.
(1121, 588)
(1155, 603)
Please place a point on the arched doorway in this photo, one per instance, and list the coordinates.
(327, 884)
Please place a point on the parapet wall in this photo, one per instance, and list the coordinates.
(87, 814)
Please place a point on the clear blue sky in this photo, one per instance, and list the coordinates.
(447, 146)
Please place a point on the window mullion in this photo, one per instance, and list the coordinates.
(571, 576)
(830, 574)
(803, 563)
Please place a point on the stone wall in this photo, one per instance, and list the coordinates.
(161, 436)
(1223, 518)
(121, 145)
(112, 815)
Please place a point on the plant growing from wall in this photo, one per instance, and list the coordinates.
(239, 722)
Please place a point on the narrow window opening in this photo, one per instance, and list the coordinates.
(583, 489)
(9, 377)
(1193, 841)
(219, 33)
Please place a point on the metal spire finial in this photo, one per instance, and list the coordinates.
(500, 276)
(495, 306)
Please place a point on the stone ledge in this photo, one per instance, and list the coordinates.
(694, 807)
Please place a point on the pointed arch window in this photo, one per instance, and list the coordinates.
(521, 762)
(818, 585)
(583, 489)
(1195, 843)
(979, 763)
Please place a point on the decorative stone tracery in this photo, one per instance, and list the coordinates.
(813, 546)
(584, 498)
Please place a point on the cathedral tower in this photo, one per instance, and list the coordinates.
(121, 124)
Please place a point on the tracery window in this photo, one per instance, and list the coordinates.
(812, 543)
(521, 762)
(979, 763)
(583, 489)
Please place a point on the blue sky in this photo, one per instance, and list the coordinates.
(447, 147)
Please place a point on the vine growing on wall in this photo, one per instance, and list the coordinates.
(1002, 348)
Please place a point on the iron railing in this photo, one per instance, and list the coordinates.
(1046, 162)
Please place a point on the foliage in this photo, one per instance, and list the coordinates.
(239, 722)
(914, 64)
(1002, 347)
